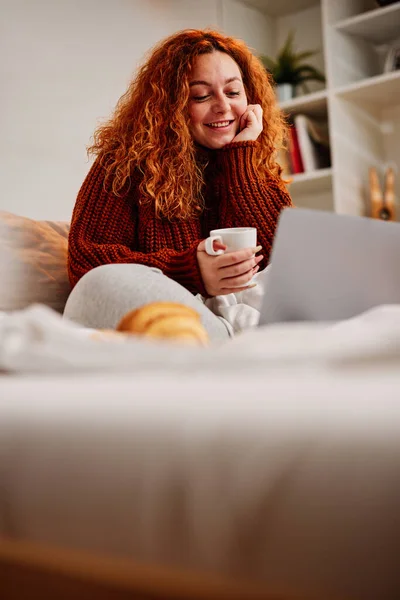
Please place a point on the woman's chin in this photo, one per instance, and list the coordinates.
(214, 144)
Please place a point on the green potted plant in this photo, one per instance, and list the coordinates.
(289, 70)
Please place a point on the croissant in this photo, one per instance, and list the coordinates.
(166, 320)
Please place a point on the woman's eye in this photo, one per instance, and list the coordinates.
(206, 96)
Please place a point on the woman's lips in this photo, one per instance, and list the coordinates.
(221, 128)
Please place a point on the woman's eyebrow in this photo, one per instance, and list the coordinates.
(202, 82)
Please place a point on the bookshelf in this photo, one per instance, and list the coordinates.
(375, 26)
(379, 92)
(361, 101)
(315, 182)
(314, 104)
(279, 8)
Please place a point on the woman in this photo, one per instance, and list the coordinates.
(191, 147)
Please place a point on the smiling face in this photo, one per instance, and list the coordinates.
(217, 99)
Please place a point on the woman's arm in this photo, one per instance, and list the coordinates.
(248, 199)
(104, 230)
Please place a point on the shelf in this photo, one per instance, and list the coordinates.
(378, 26)
(278, 8)
(381, 91)
(314, 182)
(314, 104)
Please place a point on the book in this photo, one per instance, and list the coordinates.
(294, 151)
(313, 139)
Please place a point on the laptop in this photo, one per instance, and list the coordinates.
(328, 267)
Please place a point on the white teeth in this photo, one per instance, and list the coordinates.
(220, 124)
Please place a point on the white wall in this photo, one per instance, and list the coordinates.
(255, 28)
(308, 36)
(63, 66)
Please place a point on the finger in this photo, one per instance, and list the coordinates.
(235, 290)
(232, 282)
(219, 246)
(251, 117)
(232, 258)
(259, 114)
(240, 268)
(243, 121)
(247, 118)
(256, 115)
(256, 108)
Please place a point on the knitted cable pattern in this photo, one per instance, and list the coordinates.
(120, 229)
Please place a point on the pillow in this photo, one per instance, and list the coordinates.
(33, 263)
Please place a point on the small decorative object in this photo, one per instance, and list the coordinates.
(289, 70)
(392, 60)
(382, 205)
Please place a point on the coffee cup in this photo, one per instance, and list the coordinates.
(234, 238)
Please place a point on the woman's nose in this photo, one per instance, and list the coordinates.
(221, 104)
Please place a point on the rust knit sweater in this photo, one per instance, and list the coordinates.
(110, 229)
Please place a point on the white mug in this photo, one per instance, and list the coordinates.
(234, 238)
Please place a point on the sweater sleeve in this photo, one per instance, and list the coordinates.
(103, 230)
(247, 198)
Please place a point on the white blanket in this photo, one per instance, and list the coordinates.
(239, 311)
(274, 455)
(39, 340)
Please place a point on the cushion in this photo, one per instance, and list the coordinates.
(33, 263)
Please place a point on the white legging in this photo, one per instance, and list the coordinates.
(105, 294)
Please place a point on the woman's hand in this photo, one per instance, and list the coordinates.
(227, 273)
(251, 124)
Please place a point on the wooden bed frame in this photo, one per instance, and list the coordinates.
(37, 572)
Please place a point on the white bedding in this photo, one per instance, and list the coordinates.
(274, 456)
(39, 340)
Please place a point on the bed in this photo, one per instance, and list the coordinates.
(269, 465)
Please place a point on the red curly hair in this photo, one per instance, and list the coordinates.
(149, 129)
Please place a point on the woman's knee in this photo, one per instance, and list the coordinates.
(107, 278)
(106, 290)
(104, 294)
